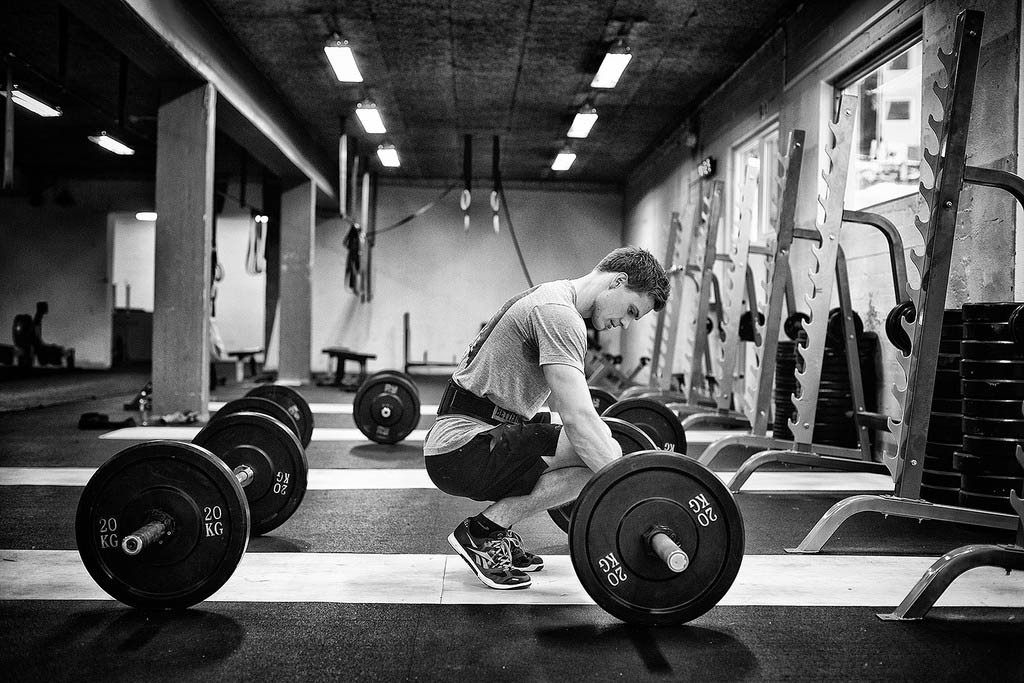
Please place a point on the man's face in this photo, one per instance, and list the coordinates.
(618, 306)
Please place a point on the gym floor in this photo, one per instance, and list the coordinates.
(360, 584)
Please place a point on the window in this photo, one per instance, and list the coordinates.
(760, 150)
(900, 62)
(899, 110)
(886, 156)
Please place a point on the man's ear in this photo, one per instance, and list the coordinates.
(620, 280)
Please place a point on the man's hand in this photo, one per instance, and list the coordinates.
(588, 434)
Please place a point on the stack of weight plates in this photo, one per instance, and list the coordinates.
(834, 422)
(993, 388)
(940, 481)
(785, 385)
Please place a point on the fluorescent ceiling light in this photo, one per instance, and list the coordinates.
(33, 104)
(109, 143)
(585, 119)
(145, 216)
(388, 156)
(339, 54)
(369, 116)
(612, 66)
(564, 160)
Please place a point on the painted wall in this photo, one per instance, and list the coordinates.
(789, 79)
(448, 279)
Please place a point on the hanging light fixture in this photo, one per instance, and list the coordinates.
(388, 156)
(33, 104)
(584, 120)
(612, 66)
(369, 117)
(111, 144)
(343, 61)
(564, 160)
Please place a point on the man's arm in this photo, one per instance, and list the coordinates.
(589, 435)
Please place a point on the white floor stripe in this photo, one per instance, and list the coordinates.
(187, 433)
(794, 580)
(333, 408)
(349, 479)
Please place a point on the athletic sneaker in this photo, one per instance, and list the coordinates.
(523, 559)
(490, 558)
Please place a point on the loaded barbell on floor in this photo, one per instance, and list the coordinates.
(293, 402)
(656, 538)
(188, 509)
(386, 408)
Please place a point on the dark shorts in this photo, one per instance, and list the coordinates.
(502, 462)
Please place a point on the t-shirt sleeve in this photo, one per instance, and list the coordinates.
(561, 335)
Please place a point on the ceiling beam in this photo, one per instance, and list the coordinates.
(196, 35)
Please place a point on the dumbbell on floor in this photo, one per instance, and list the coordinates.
(188, 509)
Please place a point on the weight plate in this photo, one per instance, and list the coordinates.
(1005, 410)
(386, 409)
(264, 406)
(980, 501)
(991, 485)
(945, 430)
(989, 464)
(210, 524)
(655, 418)
(275, 456)
(950, 406)
(941, 495)
(950, 346)
(942, 450)
(989, 427)
(601, 399)
(293, 402)
(943, 463)
(666, 397)
(986, 332)
(632, 392)
(995, 311)
(992, 369)
(952, 316)
(631, 438)
(990, 446)
(625, 501)
(941, 478)
(991, 389)
(991, 350)
(950, 332)
(836, 327)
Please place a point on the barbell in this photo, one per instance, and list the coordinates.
(164, 524)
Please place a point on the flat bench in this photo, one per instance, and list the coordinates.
(342, 355)
(236, 363)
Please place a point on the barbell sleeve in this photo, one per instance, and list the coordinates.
(670, 553)
(244, 474)
(136, 542)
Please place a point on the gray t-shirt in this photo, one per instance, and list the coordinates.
(542, 328)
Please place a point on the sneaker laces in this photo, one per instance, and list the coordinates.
(500, 550)
(515, 541)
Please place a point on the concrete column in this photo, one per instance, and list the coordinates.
(184, 229)
(298, 214)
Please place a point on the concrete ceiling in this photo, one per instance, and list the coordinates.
(438, 69)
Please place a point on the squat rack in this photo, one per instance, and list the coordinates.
(950, 171)
(830, 268)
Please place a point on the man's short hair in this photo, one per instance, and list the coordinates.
(643, 272)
